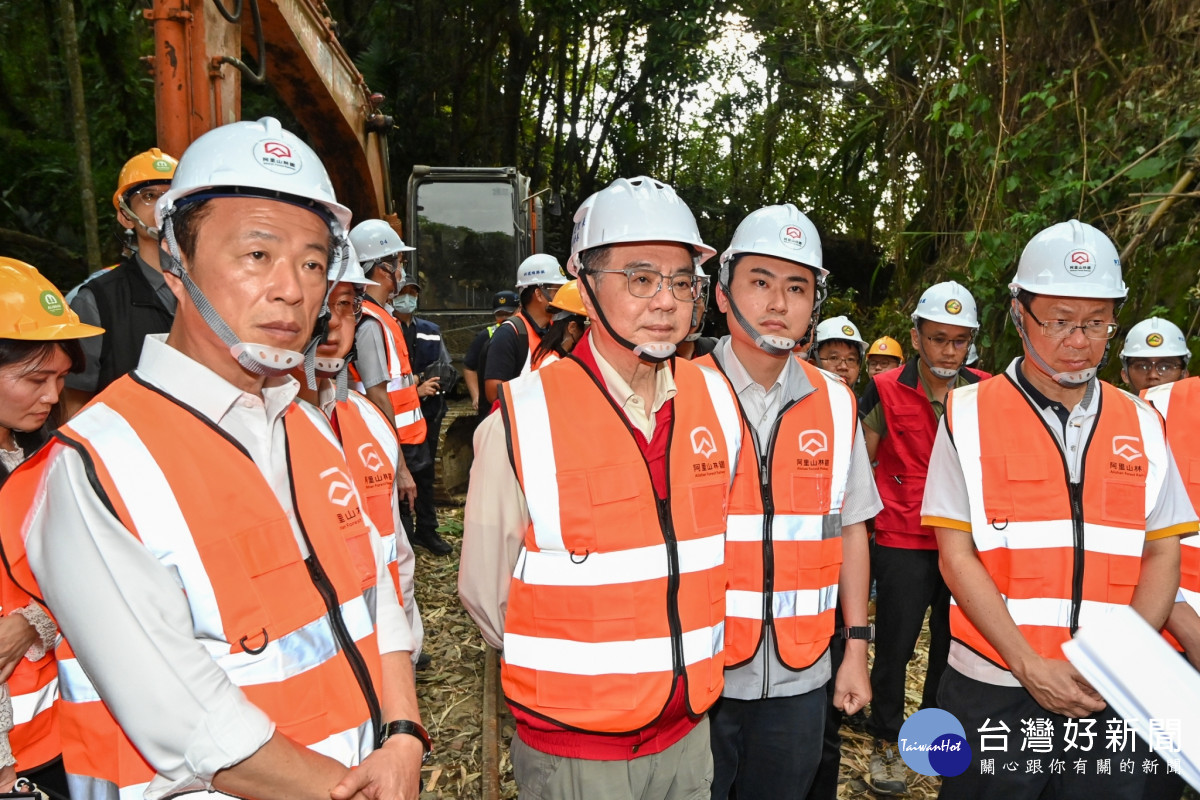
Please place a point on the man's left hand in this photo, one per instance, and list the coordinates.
(852, 686)
(430, 387)
(406, 487)
(393, 771)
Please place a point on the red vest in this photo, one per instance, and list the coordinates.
(263, 617)
(1061, 555)
(902, 459)
(615, 594)
(402, 384)
(783, 545)
(1179, 403)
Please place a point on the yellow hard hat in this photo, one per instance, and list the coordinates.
(152, 166)
(886, 346)
(567, 299)
(33, 310)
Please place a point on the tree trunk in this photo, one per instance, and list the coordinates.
(79, 125)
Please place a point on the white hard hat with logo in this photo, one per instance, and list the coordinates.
(634, 210)
(540, 269)
(840, 329)
(948, 302)
(1070, 259)
(254, 159)
(781, 231)
(375, 239)
(354, 270)
(1155, 338)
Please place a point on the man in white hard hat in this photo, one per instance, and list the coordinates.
(900, 409)
(694, 344)
(594, 528)
(508, 353)
(1055, 499)
(382, 368)
(1155, 352)
(797, 544)
(195, 532)
(840, 349)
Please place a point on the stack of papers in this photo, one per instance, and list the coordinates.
(1145, 681)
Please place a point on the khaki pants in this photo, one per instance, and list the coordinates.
(683, 771)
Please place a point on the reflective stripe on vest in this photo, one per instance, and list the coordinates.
(402, 384)
(615, 594)
(34, 737)
(800, 537)
(1182, 398)
(254, 605)
(372, 451)
(1028, 524)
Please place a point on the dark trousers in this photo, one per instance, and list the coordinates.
(1010, 771)
(425, 508)
(766, 748)
(825, 782)
(907, 583)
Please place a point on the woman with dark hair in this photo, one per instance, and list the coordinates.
(569, 321)
(39, 345)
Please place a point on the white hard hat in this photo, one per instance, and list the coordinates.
(254, 158)
(540, 269)
(840, 329)
(353, 273)
(948, 302)
(634, 210)
(1070, 259)
(1154, 338)
(375, 239)
(780, 231)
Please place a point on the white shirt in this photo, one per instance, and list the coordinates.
(123, 612)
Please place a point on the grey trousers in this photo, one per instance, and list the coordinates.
(683, 771)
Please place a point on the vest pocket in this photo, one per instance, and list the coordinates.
(263, 584)
(708, 507)
(810, 493)
(1123, 575)
(1124, 503)
(611, 691)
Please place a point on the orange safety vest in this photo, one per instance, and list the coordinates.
(783, 546)
(1062, 555)
(33, 687)
(1182, 398)
(616, 594)
(299, 642)
(532, 338)
(372, 451)
(402, 384)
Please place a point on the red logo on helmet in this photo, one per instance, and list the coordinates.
(278, 149)
(1080, 262)
(792, 236)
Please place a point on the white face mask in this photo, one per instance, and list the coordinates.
(405, 303)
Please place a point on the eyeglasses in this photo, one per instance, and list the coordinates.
(147, 195)
(390, 265)
(941, 342)
(346, 307)
(646, 283)
(1062, 328)
(1163, 368)
(833, 361)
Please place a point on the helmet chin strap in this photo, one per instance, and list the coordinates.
(259, 359)
(153, 233)
(1070, 380)
(769, 343)
(654, 352)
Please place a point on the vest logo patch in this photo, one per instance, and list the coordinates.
(813, 442)
(1126, 447)
(370, 458)
(340, 488)
(703, 443)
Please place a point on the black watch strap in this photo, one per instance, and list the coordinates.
(860, 632)
(411, 728)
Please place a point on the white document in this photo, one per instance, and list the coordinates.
(1146, 682)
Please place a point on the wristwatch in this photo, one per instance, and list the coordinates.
(412, 729)
(861, 632)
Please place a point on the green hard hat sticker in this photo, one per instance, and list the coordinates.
(52, 303)
(162, 165)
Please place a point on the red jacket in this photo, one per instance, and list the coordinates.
(902, 460)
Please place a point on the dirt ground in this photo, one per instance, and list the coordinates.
(451, 692)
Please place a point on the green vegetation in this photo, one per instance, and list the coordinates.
(928, 140)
